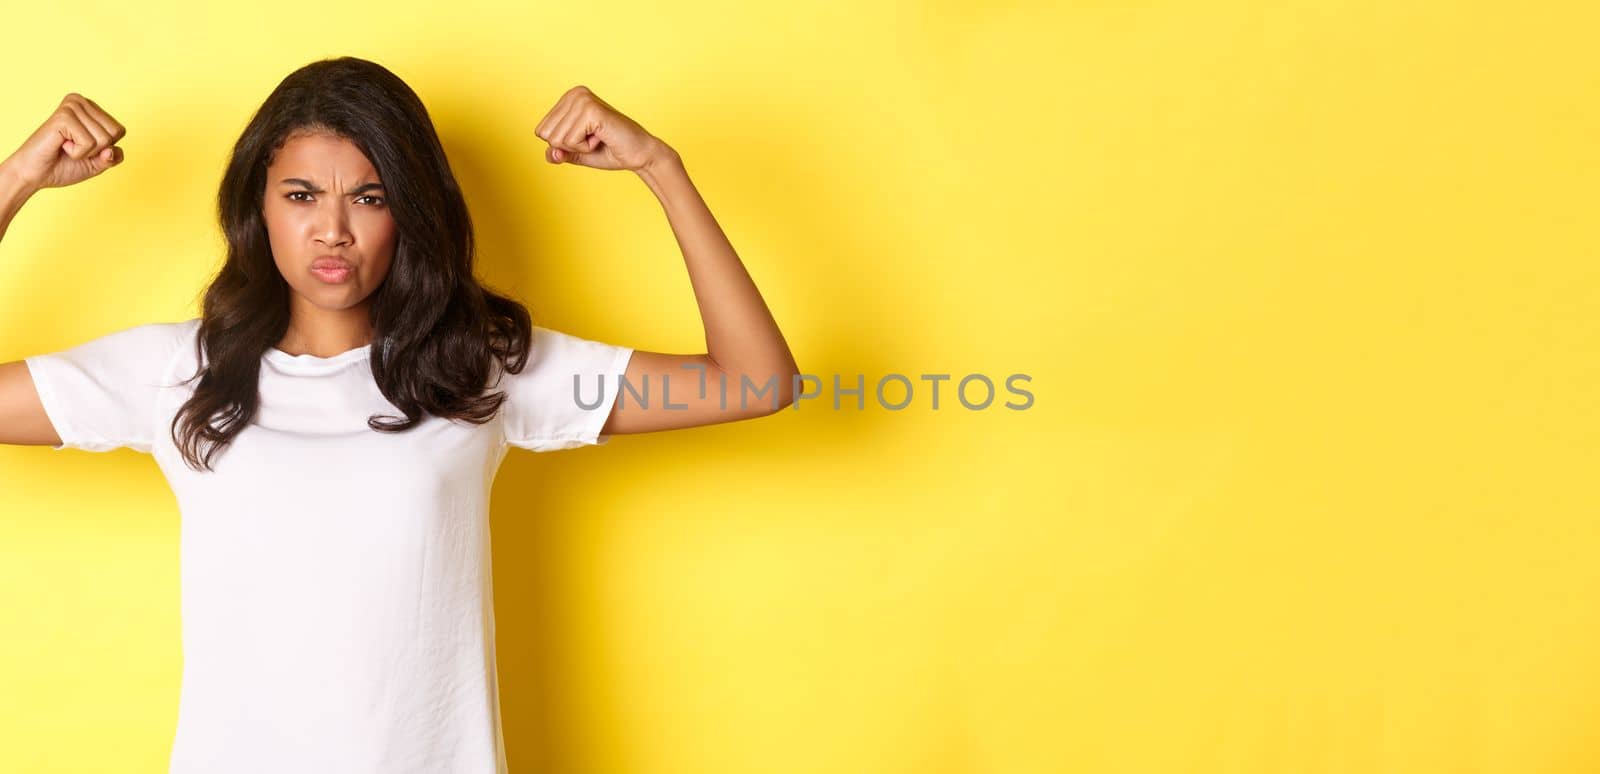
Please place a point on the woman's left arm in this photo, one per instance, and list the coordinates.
(747, 370)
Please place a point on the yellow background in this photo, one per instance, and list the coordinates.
(1307, 292)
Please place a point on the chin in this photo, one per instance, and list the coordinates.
(333, 299)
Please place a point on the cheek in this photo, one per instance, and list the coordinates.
(381, 237)
(272, 219)
(279, 222)
(384, 233)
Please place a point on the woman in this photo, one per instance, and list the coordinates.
(332, 423)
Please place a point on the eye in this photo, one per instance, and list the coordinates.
(377, 201)
(293, 194)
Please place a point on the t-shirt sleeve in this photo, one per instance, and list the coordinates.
(103, 394)
(564, 393)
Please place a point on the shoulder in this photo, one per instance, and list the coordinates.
(143, 342)
(149, 349)
(156, 334)
(552, 347)
(159, 341)
(554, 355)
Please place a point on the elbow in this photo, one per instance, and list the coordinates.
(789, 387)
(774, 388)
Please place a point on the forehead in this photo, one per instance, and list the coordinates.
(318, 154)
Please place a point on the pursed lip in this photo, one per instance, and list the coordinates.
(330, 262)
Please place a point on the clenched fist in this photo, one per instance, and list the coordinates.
(582, 129)
(76, 143)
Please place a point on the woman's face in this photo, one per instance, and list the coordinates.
(327, 220)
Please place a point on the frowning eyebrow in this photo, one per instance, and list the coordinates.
(306, 184)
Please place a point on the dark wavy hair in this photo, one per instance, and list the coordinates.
(435, 326)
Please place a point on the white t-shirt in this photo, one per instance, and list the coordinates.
(337, 607)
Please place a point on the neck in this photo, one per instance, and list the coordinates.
(325, 332)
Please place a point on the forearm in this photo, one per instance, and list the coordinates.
(13, 194)
(741, 336)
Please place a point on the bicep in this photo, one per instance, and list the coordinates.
(22, 417)
(664, 391)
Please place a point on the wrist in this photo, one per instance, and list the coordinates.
(12, 184)
(661, 156)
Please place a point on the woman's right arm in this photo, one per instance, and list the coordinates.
(22, 418)
(77, 142)
(14, 192)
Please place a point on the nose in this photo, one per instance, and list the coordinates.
(332, 227)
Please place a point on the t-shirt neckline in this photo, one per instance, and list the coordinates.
(307, 363)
